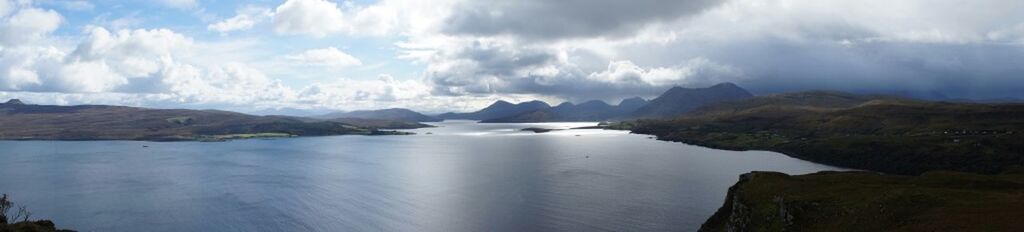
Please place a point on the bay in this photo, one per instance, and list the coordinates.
(459, 176)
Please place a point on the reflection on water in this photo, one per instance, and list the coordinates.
(459, 176)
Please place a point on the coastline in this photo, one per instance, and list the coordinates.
(210, 138)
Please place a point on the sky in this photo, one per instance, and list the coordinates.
(460, 55)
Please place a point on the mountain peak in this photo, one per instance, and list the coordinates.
(679, 100)
(724, 85)
(633, 100)
(537, 103)
(500, 103)
(631, 104)
(14, 101)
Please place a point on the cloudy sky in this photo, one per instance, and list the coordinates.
(443, 55)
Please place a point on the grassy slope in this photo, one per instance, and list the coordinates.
(131, 123)
(873, 133)
(861, 201)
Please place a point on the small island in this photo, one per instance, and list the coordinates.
(538, 130)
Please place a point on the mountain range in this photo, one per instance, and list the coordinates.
(594, 110)
(498, 109)
(674, 102)
(88, 122)
(384, 114)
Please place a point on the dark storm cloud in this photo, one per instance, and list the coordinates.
(912, 69)
(502, 68)
(930, 49)
(847, 58)
(544, 19)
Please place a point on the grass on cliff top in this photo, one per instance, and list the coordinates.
(861, 201)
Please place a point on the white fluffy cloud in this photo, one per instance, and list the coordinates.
(161, 67)
(328, 57)
(229, 83)
(245, 19)
(319, 18)
(125, 44)
(142, 62)
(27, 24)
(313, 17)
(103, 62)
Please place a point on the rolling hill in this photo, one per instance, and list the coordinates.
(878, 133)
(103, 122)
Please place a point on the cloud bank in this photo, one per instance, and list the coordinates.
(473, 52)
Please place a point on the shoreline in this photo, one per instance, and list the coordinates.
(208, 138)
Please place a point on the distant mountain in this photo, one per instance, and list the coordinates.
(678, 100)
(385, 114)
(594, 110)
(499, 109)
(673, 102)
(103, 122)
(587, 111)
(14, 102)
(631, 104)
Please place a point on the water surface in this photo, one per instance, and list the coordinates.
(461, 176)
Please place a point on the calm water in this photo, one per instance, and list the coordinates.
(462, 177)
